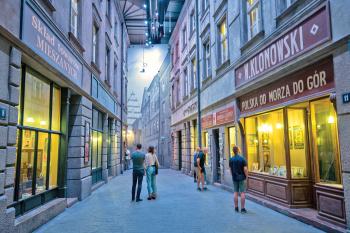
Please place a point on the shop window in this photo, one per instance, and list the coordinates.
(38, 136)
(265, 144)
(297, 142)
(231, 141)
(325, 140)
(36, 102)
(96, 146)
(205, 143)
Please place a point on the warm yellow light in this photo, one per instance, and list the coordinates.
(279, 126)
(30, 119)
(42, 122)
(265, 128)
(331, 120)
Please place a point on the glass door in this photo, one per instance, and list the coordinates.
(298, 142)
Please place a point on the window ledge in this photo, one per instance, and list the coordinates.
(193, 91)
(255, 38)
(206, 80)
(185, 98)
(223, 66)
(49, 5)
(95, 67)
(286, 11)
(76, 42)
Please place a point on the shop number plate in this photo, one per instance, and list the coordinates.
(346, 98)
(2, 114)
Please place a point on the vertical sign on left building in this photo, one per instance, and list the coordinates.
(43, 38)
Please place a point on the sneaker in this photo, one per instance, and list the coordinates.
(243, 211)
(153, 197)
(205, 188)
(149, 198)
(132, 200)
(236, 209)
(199, 189)
(195, 181)
(138, 200)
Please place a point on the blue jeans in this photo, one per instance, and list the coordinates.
(151, 181)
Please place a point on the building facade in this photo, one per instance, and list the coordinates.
(274, 80)
(156, 114)
(63, 80)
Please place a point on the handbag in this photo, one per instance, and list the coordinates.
(156, 165)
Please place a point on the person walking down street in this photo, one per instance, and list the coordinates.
(138, 159)
(239, 171)
(127, 159)
(195, 166)
(201, 170)
(152, 165)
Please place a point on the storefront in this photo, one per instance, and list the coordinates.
(291, 138)
(40, 140)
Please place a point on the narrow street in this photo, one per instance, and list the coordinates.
(179, 208)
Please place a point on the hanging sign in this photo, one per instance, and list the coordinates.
(310, 80)
(305, 36)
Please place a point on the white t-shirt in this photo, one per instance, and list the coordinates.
(151, 159)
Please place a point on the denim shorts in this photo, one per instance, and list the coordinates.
(239, 186)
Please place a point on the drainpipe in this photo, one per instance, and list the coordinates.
(199, 123)
(121, 100)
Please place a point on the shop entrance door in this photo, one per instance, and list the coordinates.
(217, 170)
(180, 149)
(298, 143)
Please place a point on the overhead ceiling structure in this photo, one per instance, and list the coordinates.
(135, 16)
(150, 21)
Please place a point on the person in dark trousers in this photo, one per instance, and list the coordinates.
(138, 160)
(195, 155)
(201, 170)
(239, 171)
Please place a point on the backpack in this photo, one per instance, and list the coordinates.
(195, 156)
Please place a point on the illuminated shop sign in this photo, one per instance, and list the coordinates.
(40, 37)
(311, 80)
(305, 36)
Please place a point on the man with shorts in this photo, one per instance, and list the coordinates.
(239, 171)
(201, 170)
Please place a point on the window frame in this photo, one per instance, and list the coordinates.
(95, 40)
(249, 10)
(193, 73)
(75, 12)
(206, 57)
(222, 58)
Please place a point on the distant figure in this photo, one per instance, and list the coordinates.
(138, 160)
(201, 170)
(239, 172)
(195, 166)
(151, 165)
(127, 159)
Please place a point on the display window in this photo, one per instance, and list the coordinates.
(231, 141)
(96, 145)
(205, 143)
(38, 138)
(325, 141)
(265, 144)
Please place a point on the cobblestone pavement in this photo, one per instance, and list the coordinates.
(180, 208)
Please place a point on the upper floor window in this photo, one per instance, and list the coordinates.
(184, 37)
(193, 73)
(185, 83)
(177, 91)
(108, 8)
(206, 60)
(253, 17)
(107, 64)
(282, 5)
(94, 43)
(192, 21)
(74, 17)
(223, 46)
(177, 51)
(205, 5)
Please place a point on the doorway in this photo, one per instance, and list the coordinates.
(217, 170)
(179, 136)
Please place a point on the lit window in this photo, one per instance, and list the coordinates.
(223, 53)
(253, 18)
(232, 140)
(265, 144)
(74, 17)
(94, 43)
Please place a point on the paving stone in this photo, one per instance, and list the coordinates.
(180, 208)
